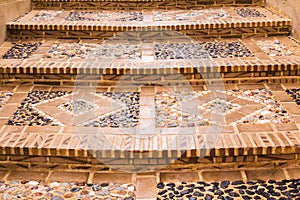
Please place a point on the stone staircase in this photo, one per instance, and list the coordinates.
(141, 86)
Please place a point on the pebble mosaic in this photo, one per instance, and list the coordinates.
(77, 107)
(39, 190)
(207, 14)
(201, 50)
(4, 97)
(295, 94)
(170, 110)
(21, 50)
(46, 15)
(274, 48)
(227, 190)
(249, 12)
(272, 112)
(28, 114)
(123, 118)
(122, 16)
(86, 50)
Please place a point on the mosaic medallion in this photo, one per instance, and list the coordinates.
(86, 50)
(295, 94)
(220, 106)
(274, 48)
(4, 97)
(201, 50)
(121, 16)
(192, 15)
(249, 12)
(46, 15)
(21, 51)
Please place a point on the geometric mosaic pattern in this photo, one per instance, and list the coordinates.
(189, 109)
(274, 48)
(272, 111)
(104, 16)
(21, 51)
(249, 12)
(28, 114)
(124, 114)
(295, 94)
(201, 50)
(92, 50)
(191, 15)
(46, 15)
(58, 108)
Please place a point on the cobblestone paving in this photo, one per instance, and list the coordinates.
(295, 94)
(249, 12)
(201, 50)
(28, 114)
(86, 50)
(4, 97)
(104, 16)
(63, 190)
(258, 189)
(46, 15)
(21, 50)
(207, 14)
(274, 48)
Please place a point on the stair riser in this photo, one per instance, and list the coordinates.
(142, 5)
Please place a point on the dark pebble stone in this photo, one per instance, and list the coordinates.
(276, 194)
(198, 194)
(171, 184)
(104, 184)
(246, 197)
(162, 192)
(257, 197)
(184, 192)
(239, 182)
(160, 185)
(224, 184)
(271, 198)
(96, 188)
(241, 191)
(129, 198)
(228, 198)
(180, 187)
(292, 185)
(265, 194)
(271, 181)
(192, 198)
(208, 197)
(281, 188)
(218, 192)
(260, 191)
(241, 187)
(171, 195)
(233, 194)
(75, 189)
(253, 187)
(249, 192)
(228, 190)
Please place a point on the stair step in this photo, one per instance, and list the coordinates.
(140, 4)
(50, 127)
(253, 59)
(225, 22)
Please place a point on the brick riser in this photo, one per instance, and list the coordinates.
(141, 5)
(193, 31)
